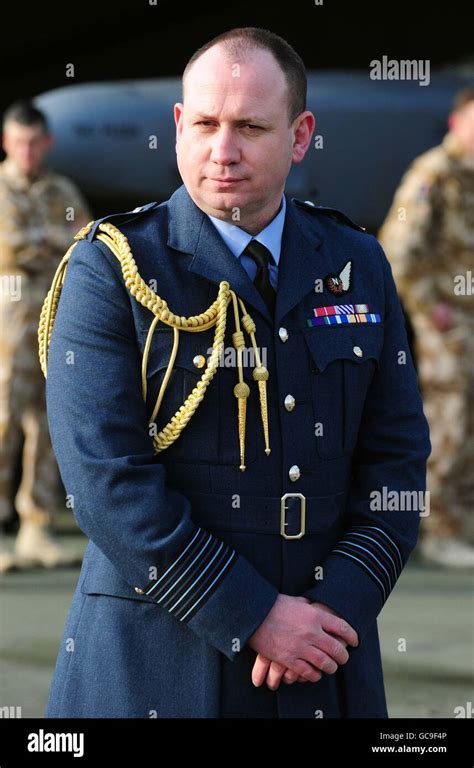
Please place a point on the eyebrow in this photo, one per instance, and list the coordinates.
(241, 121)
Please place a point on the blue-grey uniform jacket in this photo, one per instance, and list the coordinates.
(186, 555)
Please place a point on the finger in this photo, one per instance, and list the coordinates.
(290, 677)
(293, 677)
(306, 671)
(337, 626)
(320, 660)
(274, 675)
(260, 669)
(342, 642)
(333, 647)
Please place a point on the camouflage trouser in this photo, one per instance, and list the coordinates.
(446, 370)
(23, 409)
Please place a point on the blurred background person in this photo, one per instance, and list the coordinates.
(40, 212)
(429, 238)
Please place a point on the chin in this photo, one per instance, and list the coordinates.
(228, 199)
(224, 201)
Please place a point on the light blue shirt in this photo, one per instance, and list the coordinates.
(237, 240)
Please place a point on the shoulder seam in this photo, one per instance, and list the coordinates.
(122, 218)
(332, 213)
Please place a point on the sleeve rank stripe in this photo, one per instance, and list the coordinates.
(365, 567)
(379, 532)
(175, 565)
(220, 567)
(369, 557)
(193, 576)
(183, 587)
(350, 537)
(168, 592)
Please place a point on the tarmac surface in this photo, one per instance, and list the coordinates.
(426, 632)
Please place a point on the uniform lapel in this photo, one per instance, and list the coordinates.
(300, 263)
(191, 231)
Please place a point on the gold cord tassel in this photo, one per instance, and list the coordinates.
(260, 375)
(241, 389)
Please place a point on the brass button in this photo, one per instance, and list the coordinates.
(290, 402)
(199, 361)
(283, 334)
(140, 591)
(357, 351)
(294, 472)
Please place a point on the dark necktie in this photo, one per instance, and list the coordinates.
(262, 257)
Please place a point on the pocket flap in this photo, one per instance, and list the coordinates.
(356, 343)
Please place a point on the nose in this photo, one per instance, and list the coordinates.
(225, 150)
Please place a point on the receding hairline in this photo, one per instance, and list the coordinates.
(234, 49)
(240, 43)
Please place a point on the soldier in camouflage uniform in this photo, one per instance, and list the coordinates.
(429, 238)
(39, 214)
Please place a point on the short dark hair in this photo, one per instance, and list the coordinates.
(25, 113)
(243, 40)
(463, 97)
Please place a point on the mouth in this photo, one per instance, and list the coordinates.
(226, 182)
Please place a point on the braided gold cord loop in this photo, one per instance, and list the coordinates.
(216, 315)
(173, 429)
(48, 311)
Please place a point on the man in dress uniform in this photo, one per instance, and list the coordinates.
(39, 213)
(429, 238)
(241, 545)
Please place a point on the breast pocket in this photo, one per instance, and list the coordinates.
(211, 434)
(342, 364)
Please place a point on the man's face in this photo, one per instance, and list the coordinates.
(235, 145)
(26, 145)
(462, 124)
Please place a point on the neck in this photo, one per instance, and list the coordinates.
(31, 175)
(254, 223)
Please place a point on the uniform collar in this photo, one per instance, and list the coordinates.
(456, 151)
(19, 179)
(237, 239)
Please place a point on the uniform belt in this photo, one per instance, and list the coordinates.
(291, 516)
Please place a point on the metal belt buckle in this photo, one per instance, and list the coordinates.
(283, 509)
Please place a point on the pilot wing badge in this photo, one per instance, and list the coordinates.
(341, 283)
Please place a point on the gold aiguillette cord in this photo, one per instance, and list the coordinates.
(260, 375)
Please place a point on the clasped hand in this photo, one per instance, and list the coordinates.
(298, 641)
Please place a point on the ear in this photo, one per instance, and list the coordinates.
(303, 128)
(178, 115)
